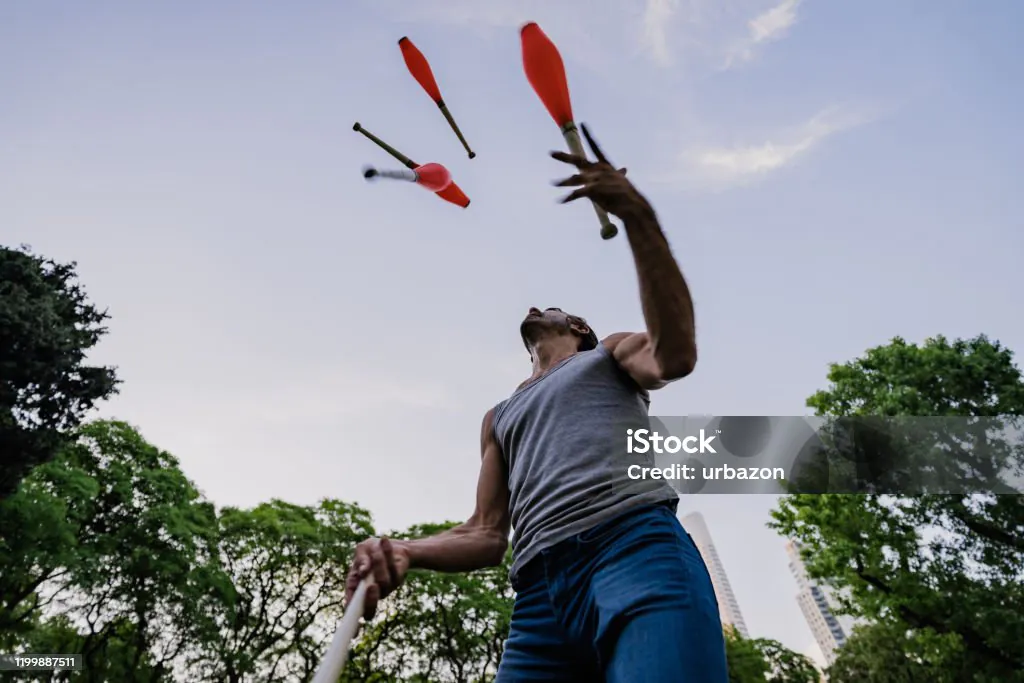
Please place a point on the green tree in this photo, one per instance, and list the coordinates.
(47, 326)
(889, 653)
(761, 660)
(786, 666)
(107, 554)
(285, 583)
(40, 524)
(946, 567)
(109, 551)
(115, 658)
(746, 663)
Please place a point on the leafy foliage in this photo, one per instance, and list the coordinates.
(104, 553)
(889, 653)
(944, 568)
(282, 571)
(762, 660)
(47, 326)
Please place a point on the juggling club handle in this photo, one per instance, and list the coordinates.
(572, 138)
(406, 161)
(370, 173)
(455, 127)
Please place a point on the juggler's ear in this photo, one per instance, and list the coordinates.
(579, 326)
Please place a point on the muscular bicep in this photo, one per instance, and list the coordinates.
(634, 353)
(492, 494)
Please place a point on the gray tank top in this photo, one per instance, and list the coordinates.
(564, 440)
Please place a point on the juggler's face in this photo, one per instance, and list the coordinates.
(543, 323)
(551, 322)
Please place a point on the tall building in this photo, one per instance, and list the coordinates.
(816, 605)
(728, 608)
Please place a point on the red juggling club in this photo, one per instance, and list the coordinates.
(546, 73)
(420, 69)
(434, 177)
(452, 193)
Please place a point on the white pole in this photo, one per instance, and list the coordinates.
(334, 661)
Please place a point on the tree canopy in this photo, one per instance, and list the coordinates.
(47, 325)
(762, 660)
(941, 572)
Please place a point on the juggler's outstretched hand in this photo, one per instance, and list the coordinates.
(600, 182)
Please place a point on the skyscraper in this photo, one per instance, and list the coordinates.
(815, 603)
(728, 608)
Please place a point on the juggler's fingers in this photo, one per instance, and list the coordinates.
(380, 568)
(573, 180)
(357, 572)
(389, 559)
(593, 145)
(577, 161)
(576, 194)
(590, 176)
(372, 598)
(351, 583)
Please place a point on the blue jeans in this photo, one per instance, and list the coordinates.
(627, 601)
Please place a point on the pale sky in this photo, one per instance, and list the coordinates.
(829, 175)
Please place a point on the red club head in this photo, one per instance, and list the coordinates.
(546, 72)
(434, 177)
(454, 194)
(419, 68)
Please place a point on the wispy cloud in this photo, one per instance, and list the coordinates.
(769, 26)
(719, 167)
(655, 22)
(774, 23)
(718, 33)
(697, 33)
